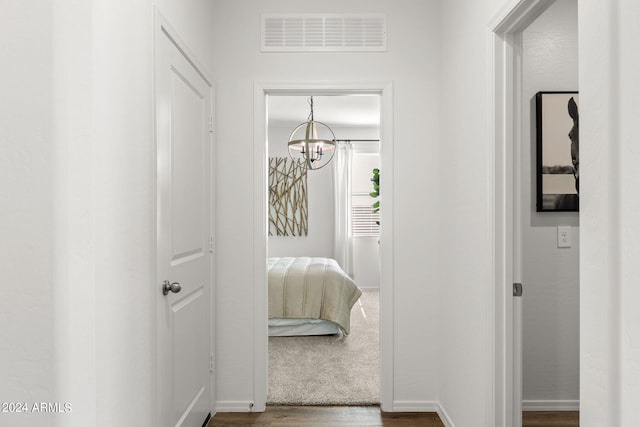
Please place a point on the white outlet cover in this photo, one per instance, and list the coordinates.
(564, 236)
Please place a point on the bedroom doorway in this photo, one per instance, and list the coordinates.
(318, 215)
(371, 143)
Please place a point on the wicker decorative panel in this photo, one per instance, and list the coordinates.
(288, 206)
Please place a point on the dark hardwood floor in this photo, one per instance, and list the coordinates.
(551, 419)
(338, 416)
(326, 416)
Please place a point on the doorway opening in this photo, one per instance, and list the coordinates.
(550, 269)
(265, 247)
(515, 217)
(318, 216)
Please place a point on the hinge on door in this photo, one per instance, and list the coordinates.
(212, 362)
(211, 249)
(517, 289)
(210, 124)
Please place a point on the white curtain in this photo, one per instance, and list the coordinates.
(343, 237)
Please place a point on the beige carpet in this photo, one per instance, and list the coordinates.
(329, 370)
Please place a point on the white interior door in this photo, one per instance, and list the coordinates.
(184, 310)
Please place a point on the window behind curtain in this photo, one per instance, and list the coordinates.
(364, 220)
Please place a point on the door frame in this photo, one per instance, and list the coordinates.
(260, 226)
(163, 28)
(507, 133)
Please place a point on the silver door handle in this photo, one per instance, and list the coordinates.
(173, 287)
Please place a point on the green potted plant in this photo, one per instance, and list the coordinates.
(376, 191)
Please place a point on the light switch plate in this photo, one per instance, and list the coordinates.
(564, 236)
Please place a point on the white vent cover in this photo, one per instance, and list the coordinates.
(324, 33)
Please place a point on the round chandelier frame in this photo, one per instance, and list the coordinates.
(312, 144)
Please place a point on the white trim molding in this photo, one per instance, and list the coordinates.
(444, 416)
(550, 405)
(423, 406)
(506, 101)
(416, 406)
(234, 406)
(261, 90)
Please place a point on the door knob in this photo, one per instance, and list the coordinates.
(173, 287)
(517, 289)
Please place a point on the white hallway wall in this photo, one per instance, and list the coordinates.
(551, 300)
(609, 234)
(411, 64)
(105, 209)
(609, 64)
(78, 204)
(610, 208)
(26, 209)
(466, 297)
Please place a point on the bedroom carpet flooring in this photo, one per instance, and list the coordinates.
(329, 370)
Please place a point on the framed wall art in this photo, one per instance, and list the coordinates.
(557, 155)
(288, 205)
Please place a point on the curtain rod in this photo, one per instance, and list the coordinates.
(357, 140)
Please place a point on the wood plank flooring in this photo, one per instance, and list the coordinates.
(326, 416)
(338, 416)
(551, 419)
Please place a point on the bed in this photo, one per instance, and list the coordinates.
(309, 296)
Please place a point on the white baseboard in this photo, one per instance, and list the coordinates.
(414, 406)
(234, 406)
(550, 405)
(444, 417)
(423, 406)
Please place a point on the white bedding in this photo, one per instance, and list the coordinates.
(311, 288)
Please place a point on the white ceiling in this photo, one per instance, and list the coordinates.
(339, 110)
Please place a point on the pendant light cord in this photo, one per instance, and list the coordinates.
(310, 118)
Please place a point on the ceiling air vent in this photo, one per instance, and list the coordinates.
(324, 33)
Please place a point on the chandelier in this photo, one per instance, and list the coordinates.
(312, 144)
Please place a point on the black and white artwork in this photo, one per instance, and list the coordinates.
(557, 151)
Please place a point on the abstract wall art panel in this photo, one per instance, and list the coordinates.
(288, 205)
